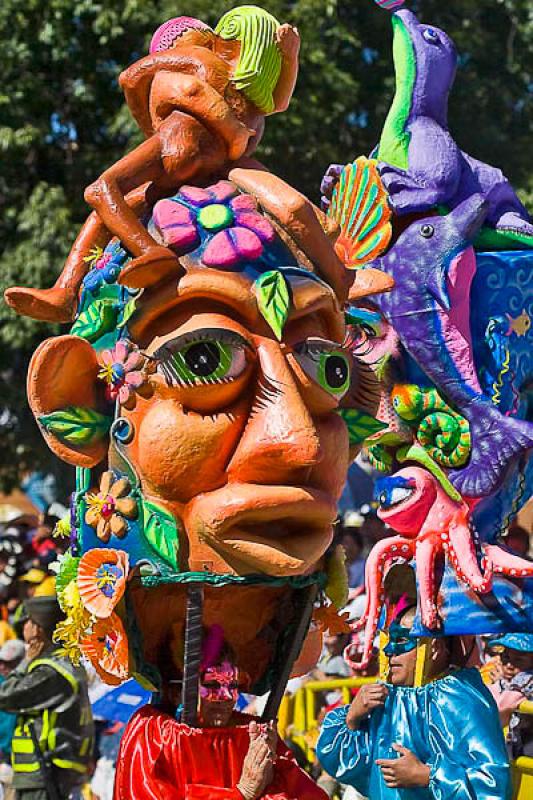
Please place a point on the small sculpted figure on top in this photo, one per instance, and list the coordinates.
(200, 97)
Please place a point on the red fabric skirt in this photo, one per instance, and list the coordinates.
(161, 759)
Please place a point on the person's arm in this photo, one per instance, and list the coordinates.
(32, 692)
(471, 761)
(344, 746)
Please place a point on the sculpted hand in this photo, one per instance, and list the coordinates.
(404, 772)
(329, 182)
(368, 698)
(288, 41)
(257, 771)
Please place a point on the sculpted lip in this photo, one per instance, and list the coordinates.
(280, 530)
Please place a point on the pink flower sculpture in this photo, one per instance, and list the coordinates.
(228, 222)
(121, 370)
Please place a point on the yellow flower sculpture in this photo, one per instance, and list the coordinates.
(78, 622)
(110, 508)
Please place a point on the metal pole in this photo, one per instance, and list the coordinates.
(307, 599)
(192, 653)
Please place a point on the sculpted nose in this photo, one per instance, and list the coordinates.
(280, 439)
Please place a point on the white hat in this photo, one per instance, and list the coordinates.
(13, 650)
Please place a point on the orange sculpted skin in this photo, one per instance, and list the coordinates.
(253, 466)
(197, 125)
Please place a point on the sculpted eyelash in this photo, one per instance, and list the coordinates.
(171, 357)
(205, 335)
(315, 349)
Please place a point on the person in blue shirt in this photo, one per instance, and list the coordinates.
(439, 741)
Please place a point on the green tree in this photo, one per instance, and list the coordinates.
(63, 120)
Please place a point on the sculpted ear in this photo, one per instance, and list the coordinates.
(67, 400)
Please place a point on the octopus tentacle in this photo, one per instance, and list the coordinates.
(375, 567)
(506, 563)
(426, 553)
(463, 556)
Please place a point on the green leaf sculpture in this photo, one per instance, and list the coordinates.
(98, 319)
(129, 310)
(68, 572)
(161, 531)
(360, 425)
(76, 425)
(273, 299)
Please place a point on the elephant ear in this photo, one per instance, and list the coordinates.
(67, 401)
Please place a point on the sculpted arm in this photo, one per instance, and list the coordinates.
(288, 40)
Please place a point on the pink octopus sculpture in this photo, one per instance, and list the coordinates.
(430, 525)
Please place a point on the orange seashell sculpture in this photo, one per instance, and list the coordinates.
(106, 647)
(102, 576)
(361, 208)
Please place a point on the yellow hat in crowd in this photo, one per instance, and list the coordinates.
(47, 588)
(33, 576)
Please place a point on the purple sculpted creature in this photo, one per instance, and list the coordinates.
(420, 163)
(433, 264)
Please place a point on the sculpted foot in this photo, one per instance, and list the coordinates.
(152, 267)
(512, 222)
(48, 305)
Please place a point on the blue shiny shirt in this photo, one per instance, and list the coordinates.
(451, 724)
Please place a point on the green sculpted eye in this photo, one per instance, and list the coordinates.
(327, 364)
(334, 372)
(200, 357)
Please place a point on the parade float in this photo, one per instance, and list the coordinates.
(231, 348)
(451, 344)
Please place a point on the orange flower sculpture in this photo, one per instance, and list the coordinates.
(102, 576)
(107, 649)
(109, 509)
